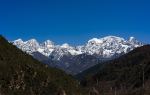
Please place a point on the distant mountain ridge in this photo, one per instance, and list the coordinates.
(105, 47)
(98, 49)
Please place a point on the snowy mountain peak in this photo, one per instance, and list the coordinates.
(109, 46)
(18, 41)
(105, 47)
(112, 38)
(65, 45)
(132, 39)
(95, 41)
(48, 43)
(32, 41)
(107, 39)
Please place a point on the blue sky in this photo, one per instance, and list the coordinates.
(74, 21)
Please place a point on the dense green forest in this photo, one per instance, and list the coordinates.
(127, 75)
(20, 74)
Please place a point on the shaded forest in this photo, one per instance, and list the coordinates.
(126, 75)
(21, 74)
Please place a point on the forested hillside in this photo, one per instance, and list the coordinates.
(127, 75)
(20, 74)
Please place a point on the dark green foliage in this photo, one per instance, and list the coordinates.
(89, 72)
(21, 74)
(127, 75)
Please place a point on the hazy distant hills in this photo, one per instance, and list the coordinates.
(21, 74)
(74, 60)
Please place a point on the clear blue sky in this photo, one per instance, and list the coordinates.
(74, 21)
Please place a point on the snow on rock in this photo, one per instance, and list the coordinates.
(106, 47)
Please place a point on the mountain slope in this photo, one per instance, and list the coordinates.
(126, 75)
(74, 60)
(104, 47)
(20, 74)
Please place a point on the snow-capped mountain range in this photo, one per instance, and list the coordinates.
(105, 47)
(76, 59)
